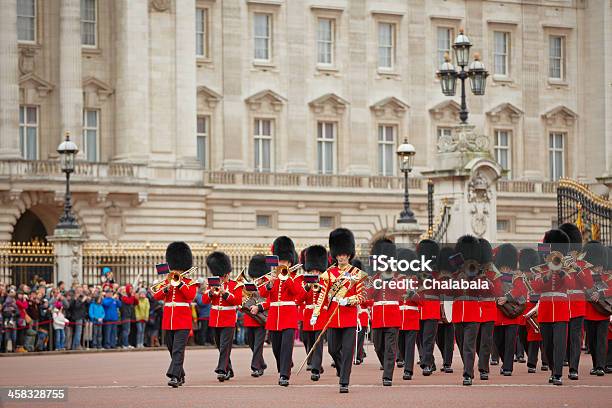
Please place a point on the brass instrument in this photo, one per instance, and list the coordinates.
(531, 317)
(174, 278)
(251, 299)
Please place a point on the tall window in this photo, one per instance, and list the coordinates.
(326, 139)
(501, 47)
(91, 132)
(263, 145)
(26, 20)
(28, 132)
(88, 23)
(325, 41)
(386, 150)
(445, 39)
(201, 32)
(556, 56)
(202, 134)
(262, 35)
(444, 131)
(556, 155)
(386, 45)
(502, 150)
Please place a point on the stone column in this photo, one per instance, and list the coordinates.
(68, 248)
(9, 82)
(132, 112)
(70, 79)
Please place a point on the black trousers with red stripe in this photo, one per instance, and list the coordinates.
(176, 340)
(598, 338)
(224, 339)
(505, 342)
(282, 347)
(554, 340)
(341, 345)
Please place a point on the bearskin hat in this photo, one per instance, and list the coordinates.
(595, 253)
(609, 267)
(486, 251)
(469, 247)
(558, 239)
(315, 258)
(179, 257)
(284, 248)
(342, 241)
(406, 254)
(218, 263)
(257, 266)
(429, 249)
(444, 263)
(384, 246)
(507, 255)
(356, 262)
(528, 258)
(572, 231)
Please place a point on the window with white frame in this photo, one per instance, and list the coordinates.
(556, 57)
(326, 147)
(91, 134)
(501, 51)
(325, 41)
(502, 150)
(444, 43)
(28, 132)
(201, 30)
(263, 145)
(386, 45)
(89, 23)
(556, 155)
(444, 131)
(386, 150)
(26, 20)
(327, 222)
(202, 137)
(262, 34)
(263, 220)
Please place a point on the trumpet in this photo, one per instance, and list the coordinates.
(174, 278)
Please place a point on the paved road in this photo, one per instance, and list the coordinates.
(136, 379)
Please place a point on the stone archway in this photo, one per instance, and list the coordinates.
(29, 228)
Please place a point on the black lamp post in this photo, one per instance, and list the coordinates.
(67, 150)
(476, 72)
(405, 153)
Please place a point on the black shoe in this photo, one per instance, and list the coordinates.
(181, 381)
(427, 371)
(507, 373)
(447, 369)
(174, 382)
(221, 377)
(283, 381)
(544, 367)
(565, 364)
(255, 373)
(522, 360)
(515, 359)
(494, 362)
(600, 372)
(608, 370)
(315, 376)
(593, 371)
(557, 381)
(343, 389)
(400, 364)
(484, 376)
(572, 375)
(467, 381)
(387, 382)
(550, 379)
(358, 361)
(531, 370)
(230, 374)
(407, 376)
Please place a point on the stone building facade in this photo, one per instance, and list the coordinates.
(239, 120)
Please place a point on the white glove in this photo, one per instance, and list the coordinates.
(313, 320)
(343, 302)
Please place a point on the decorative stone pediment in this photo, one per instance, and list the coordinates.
(390, 106)
(26, 58)
(331, 103)
(32, 82)
(505, 112)
(560, 115)
(160, 5)
(208, 97)
(266, 98)
(92, 85)
(448, 110)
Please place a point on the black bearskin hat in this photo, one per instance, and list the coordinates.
(257, 266)
(406, 254)
(507, 255)
(356, 262)
(528, 258)
(558, 239)
(486, 251)
(284, 248)
(430, 250)
(315, 258)
(609, 267)
(443, 260)
(469, 247)
(179, 257)
(218, 263)
(342, 241)
(384, 246)
(595, 253)
(572, 231)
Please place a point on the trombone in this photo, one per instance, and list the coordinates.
(281, 271)
(174, 278)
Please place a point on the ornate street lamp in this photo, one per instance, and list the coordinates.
(405, 154)
(476, 71)
(67, 150)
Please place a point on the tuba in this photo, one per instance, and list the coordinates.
(531, 317)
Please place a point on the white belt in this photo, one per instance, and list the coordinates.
(575, 292)
(386, 302)
(286, 303)
(309, 306)
(406, 307)
(553, 294)
(216, 307)
(170, 304)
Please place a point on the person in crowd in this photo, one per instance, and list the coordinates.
(111, 304)
(203, 309)
(96, 315)
(78, 308)
(128, 302)
(59, 325)
(22, 305)
(141, 311)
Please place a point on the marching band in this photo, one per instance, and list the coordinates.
(542, 299)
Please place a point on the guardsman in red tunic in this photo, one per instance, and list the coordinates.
(466, 310)
(429, 306)
(596, 323)
(363, 322)
(608, 274)
(254, 320)
(176, 320)
(315, 260)
(488, 310)
(446, 332)
(552, 283)
(224, 301)
(410, 316)
(511, 289)
(341, 294)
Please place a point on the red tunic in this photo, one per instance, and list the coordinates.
(223, 311)
(410, 315)
(385, 303)
(487, 301)
(552, 287)
(281, 303)
(466, 305)
(352, 279)
(308, 304)
(177, 306)
(429, 303)
(591, 312)
(513, 285)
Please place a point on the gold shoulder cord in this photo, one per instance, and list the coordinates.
(326, 278)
